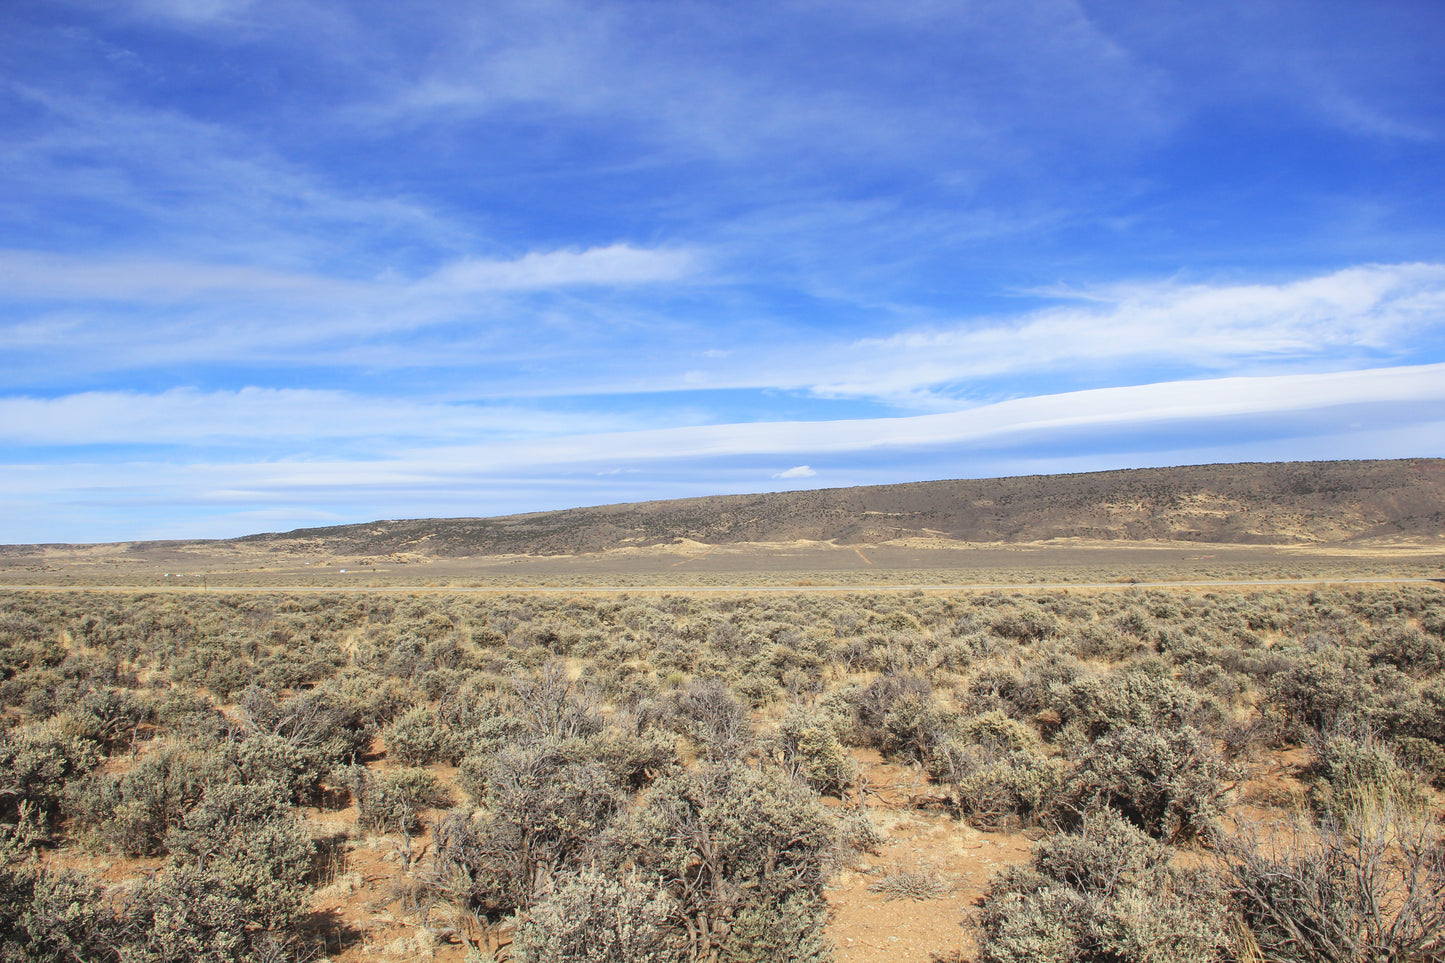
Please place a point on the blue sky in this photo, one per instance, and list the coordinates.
(278, 263)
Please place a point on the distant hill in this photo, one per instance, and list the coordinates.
(1254, 503)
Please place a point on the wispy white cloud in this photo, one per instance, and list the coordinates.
(801, 471)
(616, 264)
(1378, 312)
(1121, 408)
(49, 276)
(1394, 412)
(193, 11)
(1342, 70)
(170, 181)
(281, 419)
(1405, 392)
(734, 85)
(44, 275)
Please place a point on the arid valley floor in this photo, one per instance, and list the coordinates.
(803, 748)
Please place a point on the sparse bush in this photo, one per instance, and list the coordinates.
(996, 771)
(249, 838)
(857, 834)
(1368, 885)
(996, 687)
(189, 715)
(475, 701)
(910, 882)
(36, 762)
(807, 745)
(393, 802)
(913, 727)
(134, 811)
(708, 714)
(1169, 784)
(546, 809)
(1104, 895)
(552, 706)
(597, 918)
(549, 809)
(417, 738)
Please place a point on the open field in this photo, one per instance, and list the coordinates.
(1214, 732)
(153, 565)
(712, 774)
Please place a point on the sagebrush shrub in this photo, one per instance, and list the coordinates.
(913, 728)
(248, 837)
(993, 789)
(55, 917)
(189, 914)
(1106, 894)
(551, 705)
(707, 713)
(133, 811)
(392, 802)
(1424, 757)
(597, 918)
(555, 807)
(265, 757)
(808, 746)
(1026, 623)
(36, 762)
(418, 738)
(1354, 770)
(1170, 784)
(1409, 650)
(329, 729)
(729, 840)
(788, 930)
(867, 708)
(1318, 691)
(111, 718)
(1367, 885)
(1090, 707)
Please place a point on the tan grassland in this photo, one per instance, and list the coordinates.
(904, 562)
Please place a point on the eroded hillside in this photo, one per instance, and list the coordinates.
(1280, 503)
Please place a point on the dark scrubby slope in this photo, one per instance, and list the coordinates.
(1275, 503)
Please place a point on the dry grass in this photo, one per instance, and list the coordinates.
(911, 882)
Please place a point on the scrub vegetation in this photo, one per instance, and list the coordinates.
(683, 776)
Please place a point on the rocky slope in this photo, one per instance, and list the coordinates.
(1274, 503)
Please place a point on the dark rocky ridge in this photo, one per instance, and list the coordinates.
(1253, 503)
